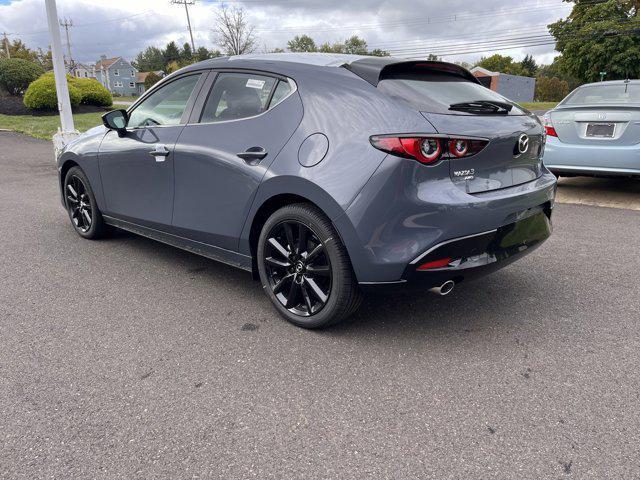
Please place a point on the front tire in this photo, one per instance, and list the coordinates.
(81, 204)
(305, 269)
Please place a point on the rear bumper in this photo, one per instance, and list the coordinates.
(591, 159)
(406, 209)
(474, 256)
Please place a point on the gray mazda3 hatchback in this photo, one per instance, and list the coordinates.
(326, 176)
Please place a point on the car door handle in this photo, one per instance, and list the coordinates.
(160, 152)
(252, 154)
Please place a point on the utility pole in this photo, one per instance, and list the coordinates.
(186, 4)
(68, 24)
(6, 44)
(62, 89)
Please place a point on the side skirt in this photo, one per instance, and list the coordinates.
(209, 251)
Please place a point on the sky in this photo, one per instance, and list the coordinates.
(456, 30)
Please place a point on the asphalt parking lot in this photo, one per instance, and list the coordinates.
(126, 358)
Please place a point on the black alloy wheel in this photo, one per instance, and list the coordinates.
(305, 269)
(79, 203)
(298, 268)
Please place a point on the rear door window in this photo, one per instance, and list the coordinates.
(237, 95)
(435, 92)
(283, 89)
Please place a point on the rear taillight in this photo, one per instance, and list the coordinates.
(549, 128)
(428, 150)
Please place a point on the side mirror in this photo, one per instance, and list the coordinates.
(116, 120)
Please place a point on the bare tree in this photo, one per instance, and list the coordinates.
(235, 35)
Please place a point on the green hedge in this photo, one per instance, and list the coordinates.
(93, 92)
(16, 74)
(41, 94)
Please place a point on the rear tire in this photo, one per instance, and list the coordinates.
(305, 268)
(81, 205)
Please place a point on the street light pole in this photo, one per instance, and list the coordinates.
(60, 74)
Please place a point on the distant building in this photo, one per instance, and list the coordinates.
(514, 87)
(81, 70)
(117, 75)
(142, 76)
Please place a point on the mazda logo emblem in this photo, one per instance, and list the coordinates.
(523, 144)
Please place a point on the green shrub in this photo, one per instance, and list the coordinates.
(151, 80)
(41, 94)
(93, 92)
(16, 74)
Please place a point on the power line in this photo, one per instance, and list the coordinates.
(525, 43)
(471, 16)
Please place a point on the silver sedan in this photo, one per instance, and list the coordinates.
(595, 131)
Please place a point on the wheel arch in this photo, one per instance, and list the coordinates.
(277, 193)
(67, 165)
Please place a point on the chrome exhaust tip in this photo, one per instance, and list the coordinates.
(445, 289)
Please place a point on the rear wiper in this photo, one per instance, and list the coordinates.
(482, 106)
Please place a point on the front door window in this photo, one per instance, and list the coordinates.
(166, 106)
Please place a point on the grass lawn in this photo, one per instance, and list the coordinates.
(539, 105)
(45, 127)
(125, 99)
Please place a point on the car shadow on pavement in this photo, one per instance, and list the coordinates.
(501, 300)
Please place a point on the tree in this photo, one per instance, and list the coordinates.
(356, 46)
(326, 47)
(276, 50)
(151, 80)
(150, 59)
(171, 53)
(302, 43)
(551, 89)
(501, 63)
(17, 73)
(529, 66)
(186, 55)
(172, 67)
(202, 54)
(600, 37)
(17, 49)
(557, 69)
(376, 52)
(235, 35)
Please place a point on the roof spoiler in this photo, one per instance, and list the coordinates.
(373, 69)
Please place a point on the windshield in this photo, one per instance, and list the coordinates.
(437, 92)
(620, 93)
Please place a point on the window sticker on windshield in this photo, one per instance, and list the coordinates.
(253, 83)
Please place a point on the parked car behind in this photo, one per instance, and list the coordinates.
(324, 175)
(595, 131)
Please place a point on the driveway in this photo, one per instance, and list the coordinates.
(126, 358)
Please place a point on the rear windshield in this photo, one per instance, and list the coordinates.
(436, 92)
(605, 94)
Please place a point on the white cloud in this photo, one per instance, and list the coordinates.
(405, 27)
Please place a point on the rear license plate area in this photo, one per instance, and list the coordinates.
(600, 130)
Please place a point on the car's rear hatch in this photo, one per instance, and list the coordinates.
(458, 106)
(501, 164)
